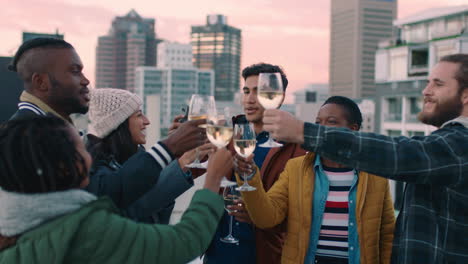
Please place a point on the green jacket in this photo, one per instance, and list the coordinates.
(96, 234)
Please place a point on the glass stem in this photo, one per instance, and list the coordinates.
(196, 156)
(230, 226)
(244, 176)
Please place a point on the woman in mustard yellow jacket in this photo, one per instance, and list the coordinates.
(334, 214)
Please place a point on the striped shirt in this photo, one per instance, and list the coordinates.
(333, 239)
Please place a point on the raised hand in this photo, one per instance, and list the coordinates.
(283, 126)
(219, 164)
(186, 137)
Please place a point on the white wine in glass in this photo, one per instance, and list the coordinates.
(219, 132)
(230, 194)
(199, 107)
(270, 94)
(244, 144)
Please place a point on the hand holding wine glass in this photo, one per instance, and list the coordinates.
(219, 132)
(230, 195)
(244, 144)
(200, 106)
(270, 95)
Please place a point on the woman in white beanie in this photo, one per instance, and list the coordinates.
(122, 169)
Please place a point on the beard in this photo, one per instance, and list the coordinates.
(62, 96)
(442, 112)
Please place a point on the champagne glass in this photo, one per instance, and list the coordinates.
(244, 144)
(219, 132)
(270, 95)
(230, 195)
(200, 106)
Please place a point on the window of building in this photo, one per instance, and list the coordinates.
(419, 61)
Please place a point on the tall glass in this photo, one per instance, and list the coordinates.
(270, 95)
(230, 195)
(219, 132)
(244, 144)
(199, 107)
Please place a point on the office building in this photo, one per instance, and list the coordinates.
(357, 26)
(130, 42)
(217, 47)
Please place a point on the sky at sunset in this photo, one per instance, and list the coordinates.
(294, 34)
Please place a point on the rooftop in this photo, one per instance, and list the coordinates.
(430, 14)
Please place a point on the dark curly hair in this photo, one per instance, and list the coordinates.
(256, 69)
(39, 155)
(353, 114)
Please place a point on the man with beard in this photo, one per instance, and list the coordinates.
(432, 226)
(51, 71)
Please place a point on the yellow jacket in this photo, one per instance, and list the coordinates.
(290, 198)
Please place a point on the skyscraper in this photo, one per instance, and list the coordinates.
(10, 90)
(131, 42)
(217, 46)
(31, 35)
(357, 26)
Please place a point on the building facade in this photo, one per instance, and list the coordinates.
(10, 90)
(175, 87)
(309, 100)
(32, 35)
(174, 55)
(357, 26)
(131, 42)
(217, 46)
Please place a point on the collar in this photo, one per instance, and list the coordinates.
(21, 212)
(462, 120)
(27, 97)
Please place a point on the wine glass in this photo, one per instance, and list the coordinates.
(219, 132)
(230, 195)
(200, 106)
(244, 144)
(270, 95)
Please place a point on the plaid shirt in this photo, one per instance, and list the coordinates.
(433, 223)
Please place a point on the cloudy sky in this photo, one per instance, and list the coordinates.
(295, 36)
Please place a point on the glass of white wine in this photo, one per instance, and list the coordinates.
(244, 144)
(219, 132)
(199, 107)
(230, 195)
(270, 95)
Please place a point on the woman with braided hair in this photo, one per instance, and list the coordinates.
(45, 217)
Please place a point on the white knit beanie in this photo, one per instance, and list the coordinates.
(109, 108)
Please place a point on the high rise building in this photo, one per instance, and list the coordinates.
(175, 87)
(357, 26)
(217, 46)
(31, 35)
(10, 90)
(174, 55)
(131, 42)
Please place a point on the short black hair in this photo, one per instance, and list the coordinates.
(353, 113)
(37, 43)
(256, 69)
(38, 155)
(462, 74)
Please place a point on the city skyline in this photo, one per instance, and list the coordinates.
(293, 36)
